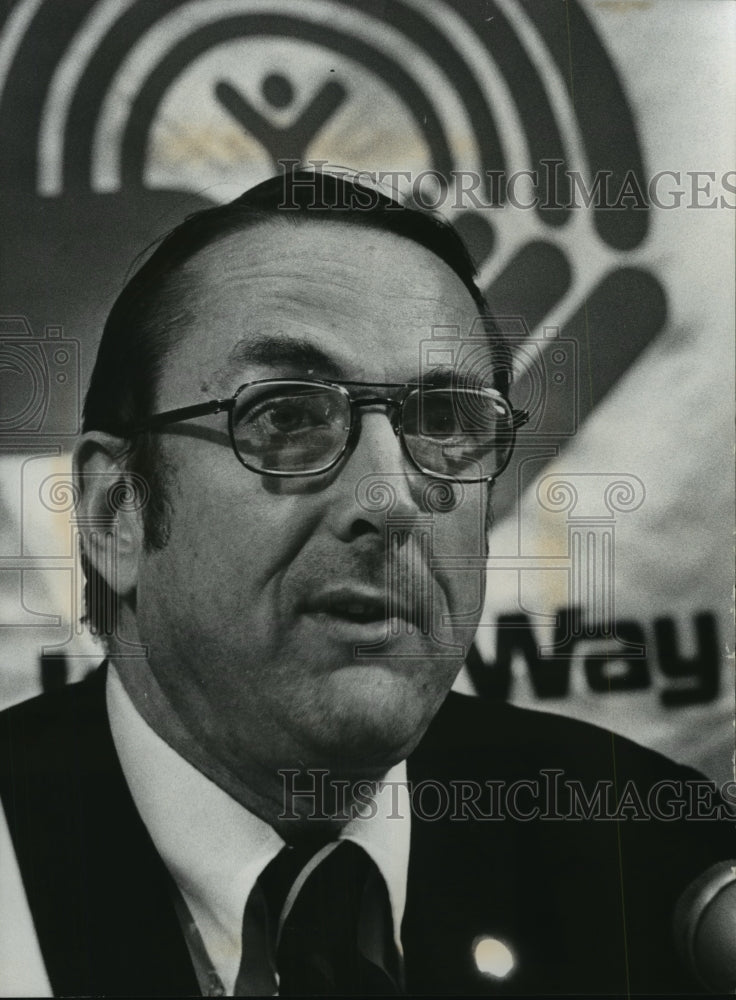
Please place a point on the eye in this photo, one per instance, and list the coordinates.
(432, 413)
(302, 428)
(439, 414)
(288, 416)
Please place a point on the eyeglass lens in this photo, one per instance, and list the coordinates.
(296, 428)
(459, 432)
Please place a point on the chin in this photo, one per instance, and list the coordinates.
(378, 715)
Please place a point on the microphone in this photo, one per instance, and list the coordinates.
(705, 927)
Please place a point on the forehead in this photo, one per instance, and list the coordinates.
(322, 298)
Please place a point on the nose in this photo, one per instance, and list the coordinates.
(376, 480)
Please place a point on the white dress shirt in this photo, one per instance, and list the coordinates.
(215, 848)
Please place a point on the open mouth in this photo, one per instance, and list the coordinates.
(360, 608)
(360, 611)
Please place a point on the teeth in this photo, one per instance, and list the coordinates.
(360, 610)
(357, 610)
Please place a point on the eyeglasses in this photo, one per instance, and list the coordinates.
(303, 427)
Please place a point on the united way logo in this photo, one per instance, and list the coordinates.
(508, 116)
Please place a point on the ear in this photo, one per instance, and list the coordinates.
(109, 502)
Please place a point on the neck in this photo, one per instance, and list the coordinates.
(301, 804)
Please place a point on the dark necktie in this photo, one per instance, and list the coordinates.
(323, 922)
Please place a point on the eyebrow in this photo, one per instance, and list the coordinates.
(297, 355)
(447, 377)
(289, 353)
(441, 375)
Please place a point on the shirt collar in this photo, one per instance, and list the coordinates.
(215, 848)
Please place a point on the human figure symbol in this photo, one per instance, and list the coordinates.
(282, 142)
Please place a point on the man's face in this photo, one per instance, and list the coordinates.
(255, 610)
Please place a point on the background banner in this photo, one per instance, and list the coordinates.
(584, 150)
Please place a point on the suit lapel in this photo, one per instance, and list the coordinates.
(97, 888)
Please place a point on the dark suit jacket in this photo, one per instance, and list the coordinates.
(584, 905)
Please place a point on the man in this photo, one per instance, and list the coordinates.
(292, 582)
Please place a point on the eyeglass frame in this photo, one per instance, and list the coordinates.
(396, 405)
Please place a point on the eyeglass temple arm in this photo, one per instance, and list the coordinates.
(182, 413)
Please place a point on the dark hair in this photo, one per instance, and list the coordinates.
(140, 328)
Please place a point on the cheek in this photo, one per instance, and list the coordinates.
(460, 534)
(459, 519)
(230, 543)
(219, 519)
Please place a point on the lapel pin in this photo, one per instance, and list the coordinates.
(492, 957)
